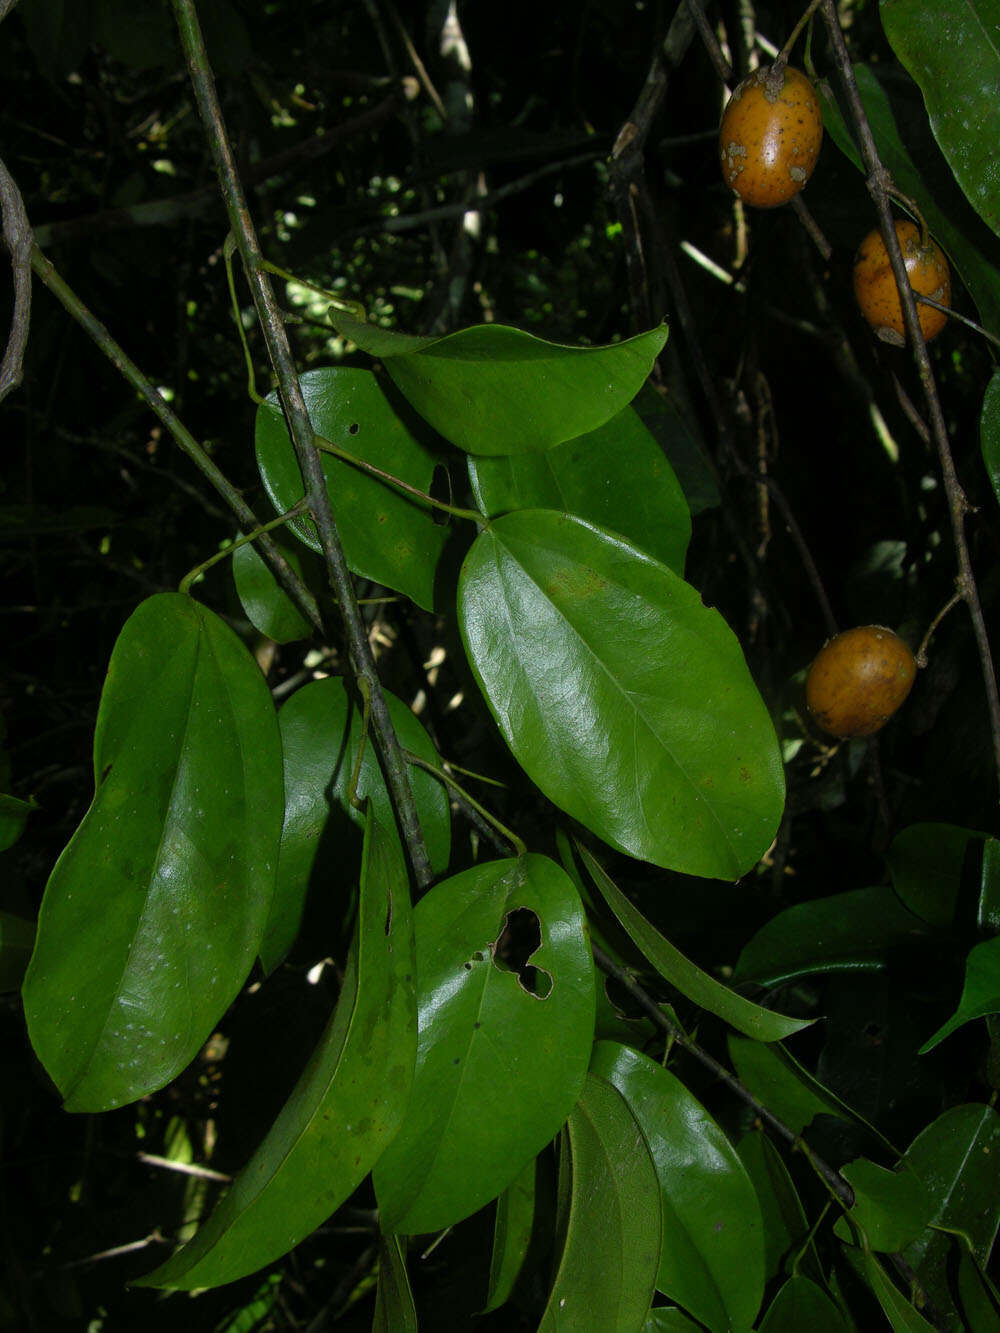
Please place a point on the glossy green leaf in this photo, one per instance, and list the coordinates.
(958, 1159)
(609, 1256)
(13, 816)
(153, 914)
(699, 987)
(848, 932)
(891, 1207)
(978, 267)
(387, 536)
(511, 1236)
(346, 1106)
(495, 390)
(268, 607)
(785, 1225)
(778, 1081)
(801, 1304)
(616, 477)
(925, 861)
(980, 993)
(498, 1066)
(953, 53)
(712, 1256)
(395, 1311)
(621, 695)
(978, 1298)
(17, 938)
(989, 432)
(320, 735)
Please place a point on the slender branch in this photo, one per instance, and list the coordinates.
(280, 567)
(18, 240)
(958, 506)
(310, 463)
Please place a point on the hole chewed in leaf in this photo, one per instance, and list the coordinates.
(514, 947)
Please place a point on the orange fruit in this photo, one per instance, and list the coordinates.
(875, 287)
(770, 136)
(858, 680)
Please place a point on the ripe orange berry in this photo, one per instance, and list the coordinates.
(770, 136)
(858, 680)
(875, 287)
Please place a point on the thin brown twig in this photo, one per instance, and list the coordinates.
(958, 506)
(18, 240)
(309, 459)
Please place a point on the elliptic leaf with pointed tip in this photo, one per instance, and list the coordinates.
(153, 914)
(387, 536)
(499, 1066)
(616, 477)
(699, 987)
(980, 993)
(607, 1267)
(712, 1256)
(801, 1304)
(268, 607)
(512, 1229)
(953, 54)
(925, 861)
(345, 1108)
(491, 389)
(621, 694)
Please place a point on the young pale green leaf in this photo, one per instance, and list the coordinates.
(712, 1255)
(320, 735)
(607, 1267)
(699, 987)
(980, 993)
(388, 536)
(977, 267)
(495, 390)
(616, 477)
(958, 1159)
(17, 938)
(925, 861)
(953, 54)
(512, 1229)
(801, 1304)
(153, 914)
(989, 432)
(499, 1066)
(346, 1106)
(848, 932)
(621, 695)
(891, 1207)
(268, 607)
(395, 1311)
(785, 1227)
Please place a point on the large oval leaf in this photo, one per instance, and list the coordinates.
(621, 695)
(344, 1109)
(154, 912)
(953, 53)
(320, 735)
(612, 1236)
(712, 1256)
(387, 536)
(495, 390)
(699, 987)
(498, 1067)
(616, 477)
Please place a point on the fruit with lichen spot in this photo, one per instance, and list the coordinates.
(875, 285)
(858, 680)
(770, 136)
